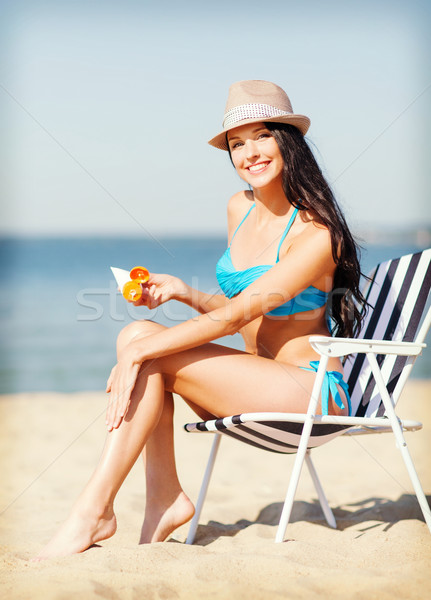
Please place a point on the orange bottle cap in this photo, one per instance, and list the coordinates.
(132, 291)
(140, 274)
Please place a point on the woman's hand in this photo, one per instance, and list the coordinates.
(159, 289)
(120, 384)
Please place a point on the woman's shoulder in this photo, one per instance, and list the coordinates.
(307, 225)
(239, 203)
(309, 235)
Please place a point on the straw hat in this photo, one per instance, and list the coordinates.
(256, 100)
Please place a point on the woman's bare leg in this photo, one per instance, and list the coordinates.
(219, 381)
(92, 518)
(167, 506)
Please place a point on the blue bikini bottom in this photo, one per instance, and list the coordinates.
(331, 381)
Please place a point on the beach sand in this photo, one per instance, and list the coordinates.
(49, 444)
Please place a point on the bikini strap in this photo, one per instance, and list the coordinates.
(244, 218)
(286, 231)
(331, 380)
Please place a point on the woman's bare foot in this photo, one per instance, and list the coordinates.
(79, 532)
(162, 519)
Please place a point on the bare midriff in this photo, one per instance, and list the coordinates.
(286, 339)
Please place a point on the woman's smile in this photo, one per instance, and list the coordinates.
(258, 167)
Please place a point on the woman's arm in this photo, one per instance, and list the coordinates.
(307, 262)
(201, 301)
(161, 288)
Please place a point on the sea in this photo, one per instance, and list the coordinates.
(60, 311)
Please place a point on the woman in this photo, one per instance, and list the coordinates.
(289, 251)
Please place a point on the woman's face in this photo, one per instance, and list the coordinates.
(255, 154)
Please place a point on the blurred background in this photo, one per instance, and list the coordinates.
(105, 110)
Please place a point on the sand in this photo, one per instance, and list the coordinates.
(49, 444)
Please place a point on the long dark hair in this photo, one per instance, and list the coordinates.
(306, 188)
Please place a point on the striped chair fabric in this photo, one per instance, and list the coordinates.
(398, 292)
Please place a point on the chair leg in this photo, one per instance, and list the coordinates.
(204, 488)
(423, 503)
(302, 450)
(329, 516)
(399, 436)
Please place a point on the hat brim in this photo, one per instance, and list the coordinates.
(301, 122)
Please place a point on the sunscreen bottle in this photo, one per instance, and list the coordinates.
(132, 289)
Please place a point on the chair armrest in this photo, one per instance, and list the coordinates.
(333, 346)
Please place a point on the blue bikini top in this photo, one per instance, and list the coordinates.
(233, 282)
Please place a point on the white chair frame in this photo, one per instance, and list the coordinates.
(337, 347)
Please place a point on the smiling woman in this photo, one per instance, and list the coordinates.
(295, 264)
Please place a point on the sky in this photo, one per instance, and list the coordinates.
(106, 109)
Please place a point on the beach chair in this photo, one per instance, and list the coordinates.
(379, 361)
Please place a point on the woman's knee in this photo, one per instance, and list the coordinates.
(136, 329)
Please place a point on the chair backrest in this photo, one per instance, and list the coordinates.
(398, 293)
